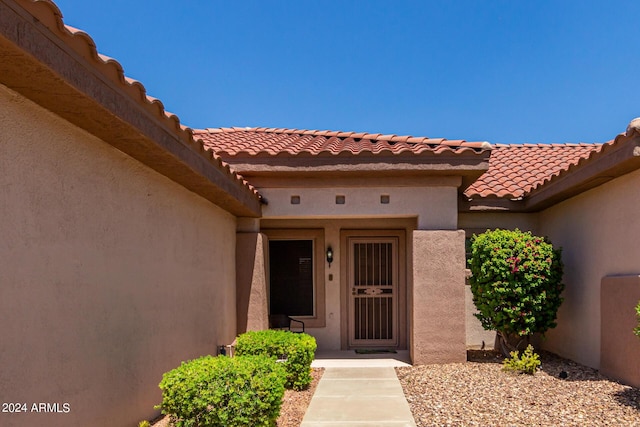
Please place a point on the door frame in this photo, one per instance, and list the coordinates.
(345, 296)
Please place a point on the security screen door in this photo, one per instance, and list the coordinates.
(373, 279)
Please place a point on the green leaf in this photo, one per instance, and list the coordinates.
(516, 281)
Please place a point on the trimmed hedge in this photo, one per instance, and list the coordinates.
(295, 350)
(222, 391)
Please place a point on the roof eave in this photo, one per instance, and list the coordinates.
(490, 204)
(468, 165)
(62, 72)
(614, 160)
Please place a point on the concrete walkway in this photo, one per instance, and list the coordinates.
(359, 396)
(351, 359)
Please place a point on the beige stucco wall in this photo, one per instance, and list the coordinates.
(251, 282)
(479, 222)
(328, 338)
(599, 232)
(110, 273)
(620, 347)
(437, 324)
(435, 207)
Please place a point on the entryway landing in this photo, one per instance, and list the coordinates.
(351, 359)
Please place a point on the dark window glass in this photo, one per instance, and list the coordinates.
(291, 277)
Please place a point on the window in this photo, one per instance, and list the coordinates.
(296, 274)
(291, 277)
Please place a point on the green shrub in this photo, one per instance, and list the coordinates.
(516, 281)
(295, 350)
(144, 423)
(637, 329)
(222, 391)
(528, 363)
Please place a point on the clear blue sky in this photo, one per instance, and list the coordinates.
(499, 71)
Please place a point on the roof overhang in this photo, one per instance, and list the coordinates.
(60, 70)
(614, 160)
(469, 167)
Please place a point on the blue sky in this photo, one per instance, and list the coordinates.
(499, 71)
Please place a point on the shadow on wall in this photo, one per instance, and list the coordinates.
(619, 347)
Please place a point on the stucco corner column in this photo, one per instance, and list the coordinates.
(251, 281)
(438, 302)
(619, 347)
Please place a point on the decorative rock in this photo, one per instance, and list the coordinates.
(480, 394)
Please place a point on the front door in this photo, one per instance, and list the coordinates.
(373, 283)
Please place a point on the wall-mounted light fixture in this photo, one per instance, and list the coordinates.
(329, 255)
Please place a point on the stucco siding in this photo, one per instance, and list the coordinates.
(620, 348)
(111, 274)
(251, 282)
(435, 207)
(598, 231)
(479, 222)
(438, 305)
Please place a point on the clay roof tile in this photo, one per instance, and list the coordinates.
(269, 141)
(515, 170)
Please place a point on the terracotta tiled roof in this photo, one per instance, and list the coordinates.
(232, 142)
(50, 16)
(515, 170)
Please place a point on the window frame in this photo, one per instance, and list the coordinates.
(318, 246)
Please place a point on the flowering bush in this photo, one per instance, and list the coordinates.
(516, 281)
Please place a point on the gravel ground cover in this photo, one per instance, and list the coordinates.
(295, 403)
(479, 393)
